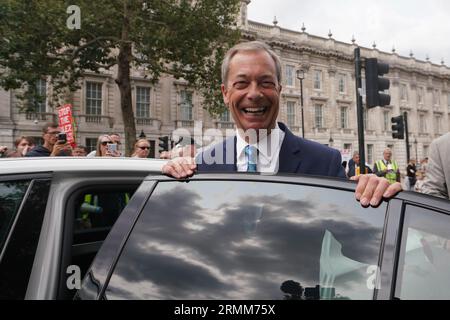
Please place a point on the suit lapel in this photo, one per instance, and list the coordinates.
(290, 156)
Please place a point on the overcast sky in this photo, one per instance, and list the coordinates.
(420, 26)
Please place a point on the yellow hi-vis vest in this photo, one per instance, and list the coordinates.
(391, 176)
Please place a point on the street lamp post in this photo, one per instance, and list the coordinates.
(301, 76)
(415, 144)
(331, 140)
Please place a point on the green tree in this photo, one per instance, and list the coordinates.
(183, 38)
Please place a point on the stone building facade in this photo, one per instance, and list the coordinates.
(420, 88)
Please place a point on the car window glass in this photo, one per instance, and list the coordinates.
(424, 265)
(19, 254)
(11, 195)
(250, 240)
(96, 212)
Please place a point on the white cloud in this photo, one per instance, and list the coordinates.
(415, 25)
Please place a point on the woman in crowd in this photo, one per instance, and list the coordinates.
(141, 149)
(103, 150)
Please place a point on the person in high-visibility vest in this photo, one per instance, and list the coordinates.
(387, 167)
(92, 208)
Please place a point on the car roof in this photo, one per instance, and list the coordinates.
(74, 164)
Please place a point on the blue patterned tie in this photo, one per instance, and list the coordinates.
(251, 153)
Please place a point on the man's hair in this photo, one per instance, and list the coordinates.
(49, 125)
(30, 140)
(249, 46)
(355, 153)
(81, 147)
(387, 150)
(113, 134)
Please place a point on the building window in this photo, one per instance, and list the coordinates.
(290, 76)
(225, 117)
(448, 101)
(318, 80)
(341, 83)
(186, 105)
(422, 124)
(290, 114)
(403, 92)
(370, 153)
(425, 151)
(386, 121)
(437, 124)
(436, 98)
(344, 117)
(348, 146)
(93, 98)
(142, 102)
(318, 116)
(366, 119)
(41, 92)
(363, 89)
(420, 95)
(91, 144)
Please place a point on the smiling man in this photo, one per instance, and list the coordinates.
(251, 88)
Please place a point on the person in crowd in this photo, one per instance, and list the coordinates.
(3, 151)
(115, 139)
(355, 169)
(52, 146)
(24, 144)
(411, 174)
(103, 148)
(141, 149)
(387, 167)
(418, 186)
(437, 177)
(423, 165)
(79, 151)
(251, 89)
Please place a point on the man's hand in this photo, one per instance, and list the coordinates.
(372, 189)
(180, 168)
(61, 150)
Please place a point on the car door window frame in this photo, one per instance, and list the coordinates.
(310, 181)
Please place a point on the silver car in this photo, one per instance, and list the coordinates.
(55, 214)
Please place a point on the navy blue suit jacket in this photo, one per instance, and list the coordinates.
(297, 155)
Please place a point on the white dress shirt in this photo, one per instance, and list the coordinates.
(268, 151)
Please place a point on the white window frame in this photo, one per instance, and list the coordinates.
(290, 80)
(95, 99)
(343, 117)
(143, 102)
(342, 83)
(290, 113)
(318, 115)
(186, 105)
(41, 90)
(318, 79)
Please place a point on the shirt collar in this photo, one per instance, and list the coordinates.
(267, 147)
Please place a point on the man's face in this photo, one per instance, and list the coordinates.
(51, 136)
(252, 91)
(24, 146)
(356, 158)
(79, 152)
(387, 155)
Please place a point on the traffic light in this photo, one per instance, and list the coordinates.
(398, 127)
(375, 83)
(163, 144)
